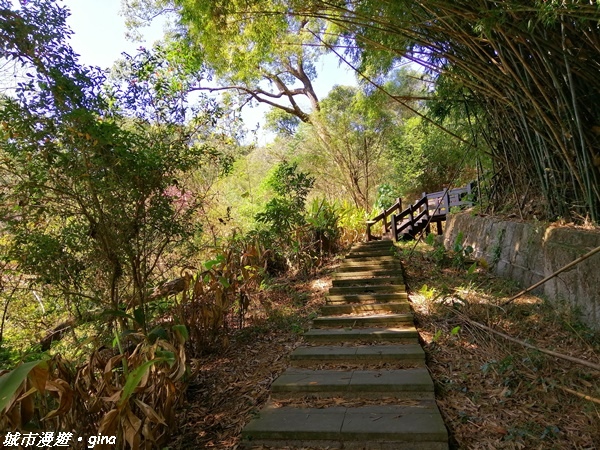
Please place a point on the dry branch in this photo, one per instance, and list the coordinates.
(533, 347)
(57, 333)
(549, 277)
(579, 394)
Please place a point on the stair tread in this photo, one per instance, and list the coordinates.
(386, 381)
(397, 279)
(358, 351)
(361, 266)
(350, 308)
(369, 295)
(369, 274)
(358, 316)
(420, 423)
(396, 330)
(355, 320)
(391, 288)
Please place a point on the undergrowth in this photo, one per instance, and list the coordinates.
(230, 385)
(493, 393)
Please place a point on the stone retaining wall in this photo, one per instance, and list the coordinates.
(527, 253)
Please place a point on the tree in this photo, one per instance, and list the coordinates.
(347, 144)
(530, 86)
(426, 159)
(254, 50)
(528, 72)
(286, 210)
(349, 138)
(88, 172)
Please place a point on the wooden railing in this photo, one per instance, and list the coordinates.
(397, 206)
(430, 208)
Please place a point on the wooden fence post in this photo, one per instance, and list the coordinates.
(411, 210)
(369, 235)
(394, 228)
(428, 226)
(447, 201)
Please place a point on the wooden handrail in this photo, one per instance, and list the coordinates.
(383, 216)
(431, 206)
(386, 212)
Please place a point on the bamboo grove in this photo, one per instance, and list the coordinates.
(526, 70)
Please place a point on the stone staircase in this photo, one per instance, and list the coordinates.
(360, 381)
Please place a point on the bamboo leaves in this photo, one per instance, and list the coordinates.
(531, 78)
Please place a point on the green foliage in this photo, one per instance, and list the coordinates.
(428, 292)
(461, 254)
(243, 54)
(286, 210)
(324, 221)
(386, 197)
(12, 380)
(458, 257)
(348, 140)
(351, 222)
(290, 183)
(284, 216)
(281, 216)
(89, 168)
(282, 123)
(426, 159)
(502, 96)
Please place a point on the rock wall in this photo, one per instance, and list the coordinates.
(527, 253)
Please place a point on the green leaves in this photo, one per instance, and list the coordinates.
(92, 170)
(290, 183)
(134, 378)
(286, 211)
(12, 380)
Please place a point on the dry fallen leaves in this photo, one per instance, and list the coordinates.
(492, 394)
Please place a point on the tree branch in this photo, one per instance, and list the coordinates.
(256, 95)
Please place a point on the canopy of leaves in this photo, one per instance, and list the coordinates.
(529, 72)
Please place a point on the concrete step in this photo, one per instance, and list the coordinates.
(351, 265)
(369, 253)
(374, 244)
(334, 310)
(366, 289)
(401, 355)
(373, 248)
(362, 320)
(393, 427)
(367, 298)
(402, 383)
(382, 281)
(381, 273)
(378, 258)
(401, 333)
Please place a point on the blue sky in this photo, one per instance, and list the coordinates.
(99, 38)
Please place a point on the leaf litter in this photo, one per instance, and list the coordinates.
(497, 394)
(493, 394)
(231, 384)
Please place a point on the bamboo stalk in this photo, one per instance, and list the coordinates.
(549, 277)
(558, 355)
(579, 394)
(515, 62)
